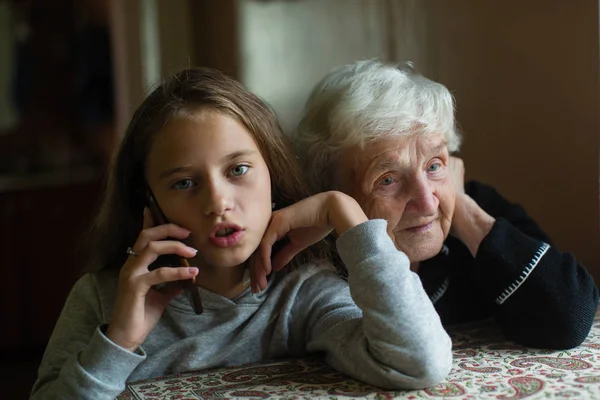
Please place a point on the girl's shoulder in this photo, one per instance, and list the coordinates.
(93, 293)
(100, 285)
(104, 278)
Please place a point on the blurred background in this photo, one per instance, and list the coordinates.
(525, 75)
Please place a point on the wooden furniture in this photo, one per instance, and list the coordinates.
(51, 159)
(41, 227)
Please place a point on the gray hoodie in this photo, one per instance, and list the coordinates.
(379, 327)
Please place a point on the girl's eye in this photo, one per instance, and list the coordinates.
(183, 184)
(239, 170)
(386, 181)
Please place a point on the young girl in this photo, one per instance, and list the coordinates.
(214, 158)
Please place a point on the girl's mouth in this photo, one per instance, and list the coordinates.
(226, 235)
(225, 232)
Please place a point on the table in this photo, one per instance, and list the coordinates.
(486, 366)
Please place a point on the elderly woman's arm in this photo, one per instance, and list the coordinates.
(543, 298)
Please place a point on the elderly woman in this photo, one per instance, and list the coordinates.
(384, 134)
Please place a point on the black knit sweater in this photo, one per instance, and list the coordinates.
(539, 296)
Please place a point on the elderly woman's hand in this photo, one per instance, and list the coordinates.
(457, 170)
(303, 224)
(470, 223)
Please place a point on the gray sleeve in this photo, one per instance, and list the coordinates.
(80, 362)
(394, 339)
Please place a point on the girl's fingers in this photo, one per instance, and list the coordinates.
(160, 232)
(162, 247)
(258, 277)
(285, 255)
(265, 249)
(261, 280)
(138, 264)
(276, 230)
(168, 274)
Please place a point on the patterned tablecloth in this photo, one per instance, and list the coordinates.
(485, 367)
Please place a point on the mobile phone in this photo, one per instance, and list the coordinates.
(172, 260)
(165, 260)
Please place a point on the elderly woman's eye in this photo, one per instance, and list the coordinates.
(239, 170)
(434, 167)
(183, 184)
(386, 181)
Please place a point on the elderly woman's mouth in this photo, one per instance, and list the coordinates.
(420, 228)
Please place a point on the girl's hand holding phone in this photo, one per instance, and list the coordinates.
(139, 305)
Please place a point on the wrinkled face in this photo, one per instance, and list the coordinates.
(208, 176)
(407, 182)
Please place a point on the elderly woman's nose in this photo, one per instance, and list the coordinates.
(422, 197)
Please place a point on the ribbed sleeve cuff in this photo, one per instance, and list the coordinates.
(364, 241)
(505, 259)
(108, 362)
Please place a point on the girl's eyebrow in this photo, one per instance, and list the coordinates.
(238, 154)
(228, 158)
(169, 172)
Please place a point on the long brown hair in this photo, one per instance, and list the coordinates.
(119, 220)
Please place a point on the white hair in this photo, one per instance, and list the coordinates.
(361, 102)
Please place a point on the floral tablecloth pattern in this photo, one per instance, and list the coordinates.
(485, 367)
